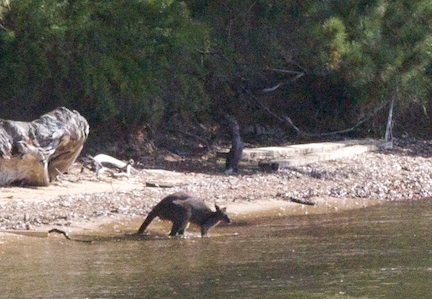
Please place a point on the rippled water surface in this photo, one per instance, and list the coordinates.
(383, 251)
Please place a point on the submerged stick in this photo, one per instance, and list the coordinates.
(302, 201)
(59, 231)
(66, 235)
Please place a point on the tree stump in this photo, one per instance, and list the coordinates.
(235, 154)
(35, 153)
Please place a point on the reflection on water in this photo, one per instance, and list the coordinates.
(383, 251)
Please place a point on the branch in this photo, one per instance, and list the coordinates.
(270, 89)
(202, 139)
(298, 76)
(285, 71)
(105, 163)
(287, 119)
(358, 124)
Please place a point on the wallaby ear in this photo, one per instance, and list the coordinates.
(220, 209)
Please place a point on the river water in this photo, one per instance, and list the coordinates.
(384, 251)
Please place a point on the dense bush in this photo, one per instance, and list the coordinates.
(129, 63)
(123, 62)
(355, 54)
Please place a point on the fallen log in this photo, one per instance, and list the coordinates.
(35, 153)
(104, 163)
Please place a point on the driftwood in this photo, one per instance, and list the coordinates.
(35, 153)
(102, 163)
(302, 201)
(159, 185)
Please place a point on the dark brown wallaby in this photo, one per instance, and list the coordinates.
(181, 208)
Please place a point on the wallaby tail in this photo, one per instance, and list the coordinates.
(147, 221)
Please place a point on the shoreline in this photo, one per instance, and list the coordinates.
(80, 201)
(238, 212)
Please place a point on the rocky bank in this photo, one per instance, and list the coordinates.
(79, 198)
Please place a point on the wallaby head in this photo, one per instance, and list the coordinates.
(213, 219)
(222, 215)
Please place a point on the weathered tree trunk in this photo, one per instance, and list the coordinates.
(236, 151)
(34, 153)
(389, 129)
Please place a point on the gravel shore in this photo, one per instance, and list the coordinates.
(404, 173)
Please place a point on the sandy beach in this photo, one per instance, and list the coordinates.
(79, 200)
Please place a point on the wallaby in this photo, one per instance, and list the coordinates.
(181, 208)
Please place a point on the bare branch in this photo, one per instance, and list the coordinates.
(105, 163)
(270, 89)
(358, 124)
(285, 71)
(287, 119)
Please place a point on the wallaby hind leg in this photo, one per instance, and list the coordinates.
(178, 228)
(181, 232)
(180, 225)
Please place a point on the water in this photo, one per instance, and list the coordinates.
(383, 251)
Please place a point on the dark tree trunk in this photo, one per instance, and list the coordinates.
(235, 154)
(34, 153)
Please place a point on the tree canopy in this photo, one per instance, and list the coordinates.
(326, 64)
(118, 61)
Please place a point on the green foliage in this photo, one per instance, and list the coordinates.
(371, 50)
(112, 60)
(133, 62)
(334, 44)
(389, 56)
